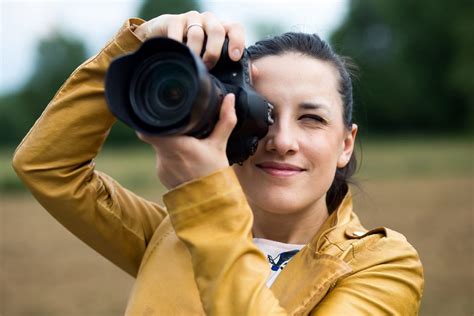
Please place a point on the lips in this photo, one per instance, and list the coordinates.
(279, 169)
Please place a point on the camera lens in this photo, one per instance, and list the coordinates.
(163, 91)
(172, 93)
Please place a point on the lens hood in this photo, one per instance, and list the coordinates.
(131, 97)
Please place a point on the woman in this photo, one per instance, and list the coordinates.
(204, 253)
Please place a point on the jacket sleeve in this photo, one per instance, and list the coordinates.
(212, 217)
(55, 161)
(387, 280)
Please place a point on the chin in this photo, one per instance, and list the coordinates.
(274, 207)
(275, 201)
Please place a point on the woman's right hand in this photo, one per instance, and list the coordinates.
(196, 27)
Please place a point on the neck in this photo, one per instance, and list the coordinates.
(291, 228)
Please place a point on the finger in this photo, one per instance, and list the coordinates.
(194, 31)
(149, 139)
(236, 34)
(195, 37)
(142, 137)
(253, 72)
(215, 39)
(152, 28)
(160, 143)
(176, 28)
(227, 121)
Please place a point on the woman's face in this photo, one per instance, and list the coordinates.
(296, 161)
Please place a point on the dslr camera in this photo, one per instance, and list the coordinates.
(164, 88)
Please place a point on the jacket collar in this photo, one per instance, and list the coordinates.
(311, 273)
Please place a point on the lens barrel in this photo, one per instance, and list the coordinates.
(163, 90)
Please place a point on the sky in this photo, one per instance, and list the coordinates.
(24, 22)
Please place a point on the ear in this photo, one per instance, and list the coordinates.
(347, 147)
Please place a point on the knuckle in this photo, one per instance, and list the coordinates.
(172, 19)
(235, 25)
(192, 13)
(216, 29)
(208, 14)
(163, 17)
(232, 115)
(232, 120)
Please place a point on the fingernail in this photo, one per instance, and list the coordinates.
(236, 53)
(232, 98)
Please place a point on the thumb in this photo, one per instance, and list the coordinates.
(227, 120)
(253, 72)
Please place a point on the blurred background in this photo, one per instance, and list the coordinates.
(414, 103)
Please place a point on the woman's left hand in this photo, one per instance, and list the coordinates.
(184, 158)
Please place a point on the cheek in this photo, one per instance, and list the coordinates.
(322, 155)
(321, 149)
(243, 173)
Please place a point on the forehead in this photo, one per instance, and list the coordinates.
(296, 76)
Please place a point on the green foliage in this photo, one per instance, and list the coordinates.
(153, 8)
(57, 56)
(415, 60)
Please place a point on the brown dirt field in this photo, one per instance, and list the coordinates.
(47, 271)
(436, 216)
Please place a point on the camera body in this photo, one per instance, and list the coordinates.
(165, 89)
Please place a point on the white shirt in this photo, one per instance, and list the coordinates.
(278, 255)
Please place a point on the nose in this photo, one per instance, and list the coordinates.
(281, 138)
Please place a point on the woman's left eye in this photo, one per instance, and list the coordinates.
(313, 117)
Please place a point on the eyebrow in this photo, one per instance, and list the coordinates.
(312, 106)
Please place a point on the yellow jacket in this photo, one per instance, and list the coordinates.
(197, 256)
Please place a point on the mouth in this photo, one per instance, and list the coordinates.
(279, 169)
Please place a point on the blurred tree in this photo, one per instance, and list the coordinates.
(153, 8)
(416, 62)
(56, 58)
